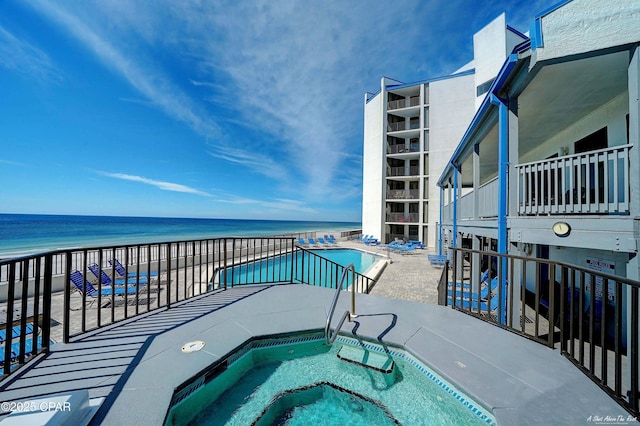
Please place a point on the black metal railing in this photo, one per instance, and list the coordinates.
(66, 293)
(590, 316)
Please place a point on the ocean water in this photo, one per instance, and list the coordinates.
(22, 234)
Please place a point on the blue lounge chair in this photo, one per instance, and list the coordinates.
(313, 242)
(468, 294)
(82, 284)
(15, 332)
(437, 259)
(107, 281)
(122, 271)
(371, 241)
(331, 240)
(363, 238)
(490, 306)
(407, 248)
(323, 242)
(302, 242)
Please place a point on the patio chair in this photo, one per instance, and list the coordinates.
(82, 284)
(302, 242)
(107, 281)
(323, 243)
(371, 241)
(122, 271)
(468, 294)
(313, 242)
(407, 248)
(331, 240)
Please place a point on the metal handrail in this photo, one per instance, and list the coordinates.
(330, 339)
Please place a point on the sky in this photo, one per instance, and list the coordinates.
(211, 109)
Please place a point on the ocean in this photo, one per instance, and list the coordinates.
(22, 234)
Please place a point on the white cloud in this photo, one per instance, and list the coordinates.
(12, 163)
(21, 56)
(149, 80)
(275, 86)
(166, 186)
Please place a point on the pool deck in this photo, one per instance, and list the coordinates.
(130, 369)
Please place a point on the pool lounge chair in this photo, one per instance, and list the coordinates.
(486, 306)
(371, 241)
(107, 281)
(108, 292)
(393, 245)
(122, 271)
(15, 331)
(331, 240)
(407, 248)
(313, 242)
(302, 242)
(467, 293)
(323, 243)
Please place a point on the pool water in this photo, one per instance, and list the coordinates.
(314, 270)
(301, 381)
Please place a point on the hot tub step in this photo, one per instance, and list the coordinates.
(379, 362)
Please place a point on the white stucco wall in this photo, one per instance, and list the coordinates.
(489, 47)
(588, 25)
(373, 167)
(452, 108)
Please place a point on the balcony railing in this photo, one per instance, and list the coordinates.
(487, 197)
(403, 148)
(594, 326)
(414, 123)
(402, 103)
(592, 182)
(403, 194)
(396, 127)
(403, 217)
(403, 171)
(40, 302)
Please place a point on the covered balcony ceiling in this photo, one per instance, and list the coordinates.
(558, 96)
(413, 90)
(562, 94)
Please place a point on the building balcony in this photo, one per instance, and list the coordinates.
(594, 182)
(403, 171)
(403, 103)
(399, 126)
(403, 217)
(403, 194)
(587, 183)
(403, 148)
(487, 203)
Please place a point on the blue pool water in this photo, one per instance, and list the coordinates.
(301, 267)
(301, 381)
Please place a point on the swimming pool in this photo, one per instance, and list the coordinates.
(321, 268)
(299, 380)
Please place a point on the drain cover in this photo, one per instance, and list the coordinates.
(194, 346)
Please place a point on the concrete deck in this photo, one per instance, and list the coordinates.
(133, 367)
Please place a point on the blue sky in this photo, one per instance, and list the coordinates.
(216, 109)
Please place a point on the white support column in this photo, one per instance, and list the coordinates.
(512, 178)
(476, 179)
(633, 266)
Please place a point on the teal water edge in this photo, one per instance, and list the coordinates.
(22, 234)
